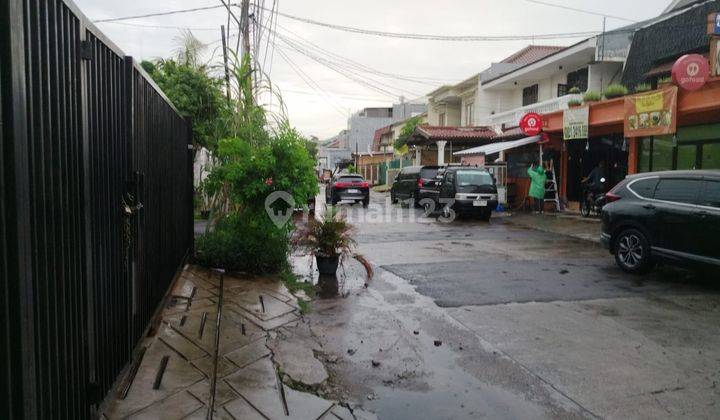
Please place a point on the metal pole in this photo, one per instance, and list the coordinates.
(225, 60)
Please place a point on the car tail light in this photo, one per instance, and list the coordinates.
(611, 197)
(364, 184)
(342, 184)
(421, 183)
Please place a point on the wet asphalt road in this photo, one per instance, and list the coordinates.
(532, 325)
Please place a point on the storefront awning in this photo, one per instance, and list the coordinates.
(492, 148)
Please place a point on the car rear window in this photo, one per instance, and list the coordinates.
(678, 190)
(429, 173)
(645, 187)
(469, 177)
(351, 179)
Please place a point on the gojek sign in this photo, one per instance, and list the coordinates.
(531, 124)
(691, 72)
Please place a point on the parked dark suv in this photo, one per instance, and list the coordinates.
(347, 187)
(415, 183)
(669, 216)
(467, 190)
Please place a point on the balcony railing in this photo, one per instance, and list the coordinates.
(512, 118)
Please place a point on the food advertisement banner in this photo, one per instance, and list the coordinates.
(651, 114)
(576, 123)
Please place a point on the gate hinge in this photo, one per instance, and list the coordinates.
(86, 50)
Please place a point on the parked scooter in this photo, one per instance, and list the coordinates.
(593, 200)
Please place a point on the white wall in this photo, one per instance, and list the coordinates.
(601, 75)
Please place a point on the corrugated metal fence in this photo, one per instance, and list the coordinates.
(85, 136)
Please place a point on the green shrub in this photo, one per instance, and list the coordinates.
(615, 91)
(664, 80)
(643, 87)
(245, 241)
(591, 96)
(574, 102)
(575, 91)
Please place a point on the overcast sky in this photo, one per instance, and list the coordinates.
(316, 114)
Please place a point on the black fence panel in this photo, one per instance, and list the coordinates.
(95, 210)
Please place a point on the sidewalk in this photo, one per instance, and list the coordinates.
(264, 354)
(568, 224)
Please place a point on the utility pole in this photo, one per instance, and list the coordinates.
(245, 29)
(225, 60)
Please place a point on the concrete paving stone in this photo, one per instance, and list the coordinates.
(223, 392)
(340, 412)
(174, 407)
(249, 301)
(231, 336)
(187, 283)
(179, 374)
(364, 415)
(293, 351)
(220, 414)
(258, 384)
(303, 406)
(275, 323)
(249, 353)
(198, 305)
(188, 349)
(205, 365)
(240, 409)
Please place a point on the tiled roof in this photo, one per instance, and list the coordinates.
(378, 136)
(434, 133)
(531, 54)
(511, 134)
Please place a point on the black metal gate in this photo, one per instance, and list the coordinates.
(95, 210)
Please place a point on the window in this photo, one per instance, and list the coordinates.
(578, 79)
(645, 187)
(530, 95)
(476, 178)
(441, 119)
(562, 90)
(710, 194)
(711, 156)
(662, 154)
(469, 114)
(678, 190)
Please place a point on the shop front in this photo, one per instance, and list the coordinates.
(690, 138)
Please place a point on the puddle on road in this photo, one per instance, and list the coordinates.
(350, 276)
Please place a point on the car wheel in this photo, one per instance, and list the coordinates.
(427, 207)
(366, 201)
(393, 199)
(415, 201)
(333, 201)
(485, 216)
(632, 252)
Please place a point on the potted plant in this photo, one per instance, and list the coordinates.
(664, 81)
(591, 96)
(615, 91)
(643, 87)
(329, 239)
(574, 103)
(574, 90)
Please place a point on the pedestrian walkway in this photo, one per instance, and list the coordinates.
(568, 224)
(185, 368)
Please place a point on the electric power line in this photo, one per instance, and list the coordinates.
(436, 37)
(573, 9)
(171, 12)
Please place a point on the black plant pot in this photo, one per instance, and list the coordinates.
(327, 265)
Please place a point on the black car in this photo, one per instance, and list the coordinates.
(415, 183)
(466, 190)
(347, 187)
(669, 216)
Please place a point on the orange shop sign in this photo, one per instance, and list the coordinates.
(651, 114)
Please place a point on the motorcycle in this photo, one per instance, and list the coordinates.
(593, 201)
